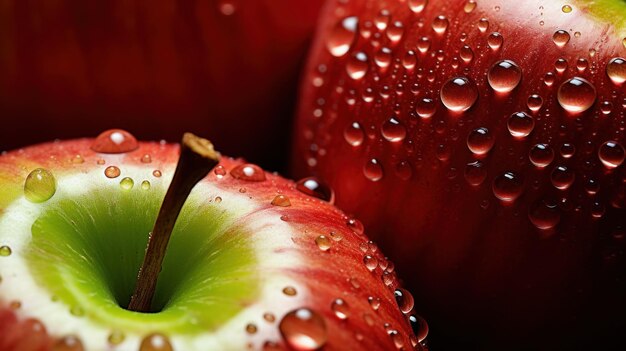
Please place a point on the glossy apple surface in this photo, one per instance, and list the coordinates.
(255, 261)
(223, 68)
(482, 144)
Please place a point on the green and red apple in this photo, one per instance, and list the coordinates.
(482, 143)
(255, 261)
(227, 69)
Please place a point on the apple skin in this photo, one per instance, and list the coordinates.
(484, 275)
(72, 68)
(321, 276)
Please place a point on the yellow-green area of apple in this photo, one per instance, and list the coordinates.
(86, 252)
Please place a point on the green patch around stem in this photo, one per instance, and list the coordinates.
(86, 252)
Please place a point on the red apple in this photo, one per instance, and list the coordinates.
(255, 261)
(482, 144)
(224, 68)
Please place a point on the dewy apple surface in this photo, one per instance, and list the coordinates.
(254, 259)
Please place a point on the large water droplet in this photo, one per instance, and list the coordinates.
(440, 24)
(393, 130)
(248, 172)
(480, 141)
(495, 40)
(70, 343)
(534, 102)
(507, 187)
(357, 65)
(475, 173)
(155, 342)
(281, 201)
(504, 76)
(395, 31)
(5, 251)
(373, 170)
(616, 70)
(340, 308)
(316, 188)
(560, 38)
(304, 329)
(520, 124)
(417, 6)
(323, 242)
(541, 155)
(611, 153)
(354, 134)
(458, 94)
(425, 108)
(383, 57)
(127, 183)
(419, 326)
(40, 186)
(404, 299)
(114, 141)
(342, 36)
(544, 214)
(355, 225)
(576, 95)
(562, 177)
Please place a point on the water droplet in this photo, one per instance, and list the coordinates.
(342, 36)
(323, 242)
(606, 107)
(146, 158)
(544, 214)
(114, 141)
(314, 187)
(371, 262)
(269, 317)
(40, 186)
(127, 183)
(504, 76)
(219, 171)
(480, 141)
(469, 6)
(404, 170)
(395, 31)
(520, 124)
(466, 53)
(562, 177)
(353, 134)
(373, 170)
(417, 6)
(156, 173)
(5, 251)
(227, 7)
(534, 102)
(218, 199)
(458, 94)
(541, 155)
(355, 225)
(374, 302)
(566, 8)
(393, 131)
(549, 79)
(116, 337)
(560, 65)
(582, 64)
(248, 172)
(560, 38)
(419, 326)
(426, 108)
(383, 57)
(507, 187)
(341, 308)
(483, 25)
(251, 328)
(112, 172)
(69, 343)
(382, 19)
(440, 24)
(409, 60)
(611, 153)
(281, 201)
(576, 95)
(304, 329)
(495, 40)
(77, 159)
(397, 339)
(357, 65)
(155, 342)
(145, 185)
(475, 173)
(616, 70)
(404, 299)
(290, 291)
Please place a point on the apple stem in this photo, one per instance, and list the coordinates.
(197, 159)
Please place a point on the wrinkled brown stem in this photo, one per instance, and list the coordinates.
(197, 159)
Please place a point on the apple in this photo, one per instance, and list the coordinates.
(482, 144)
(75, 68)
(255, 261)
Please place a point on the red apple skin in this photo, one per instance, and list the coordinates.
(479, 266)
(337, 273)
(73, 68)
